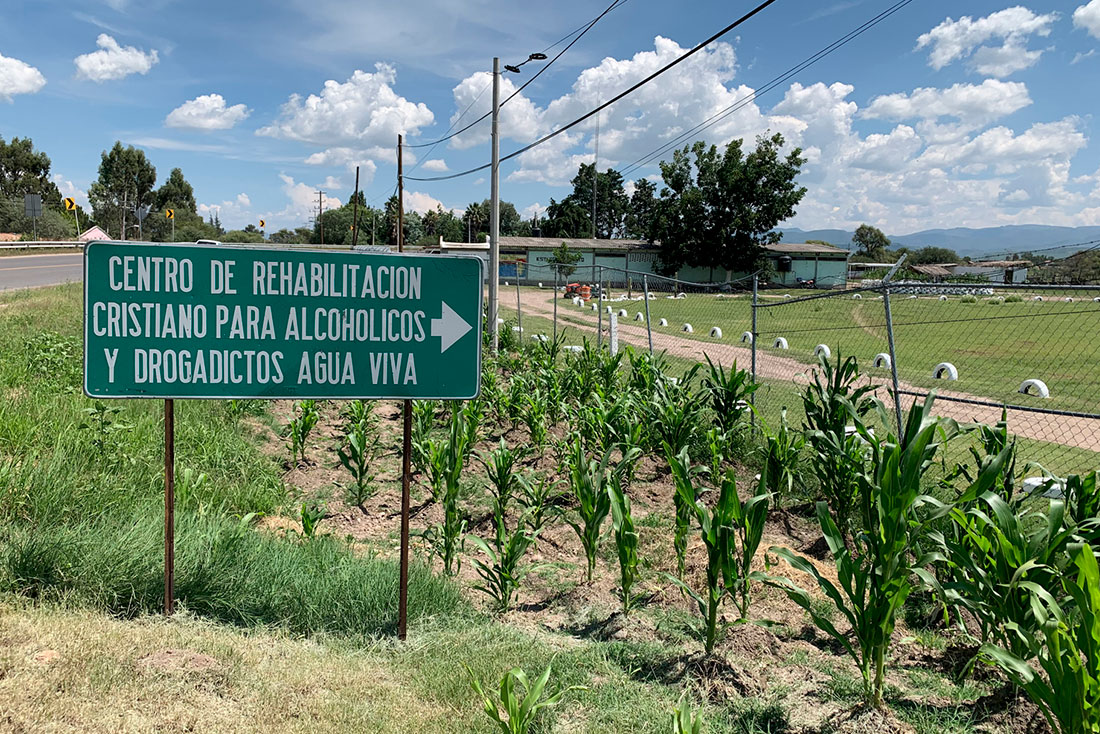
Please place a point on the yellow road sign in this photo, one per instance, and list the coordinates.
(262, 224)
(170, 213)
(70, 204)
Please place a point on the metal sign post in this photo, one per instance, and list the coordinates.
(169, 507)
(32, 208)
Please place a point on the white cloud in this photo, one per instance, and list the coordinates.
(170, 144)
(890, 152)
(967, 38)
(436, 165)
(18, 77)
(303, 200)
(243, 200)
(206, 112)
(113, 61)
(972, 105)
(422, 203)
(331, 182)
(537, 209)
(1081, 56)
(1088, 17)
(362, 114)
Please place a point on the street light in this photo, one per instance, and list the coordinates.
(494, 196)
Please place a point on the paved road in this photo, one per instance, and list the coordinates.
(32, 271)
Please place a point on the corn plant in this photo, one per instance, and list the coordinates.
(500, 467)
(728, 394)
(1082, 495)
(447, 460)
(876, 576)
(996, 558)
(684, 720)
(423, 418)
(607, 373)
(358, 455)
(473, 415)
(581, 377)
(534, 417)
(357, 411)
(839, 454)
(1069, 693)
(301, 425)
(715, 530)
(311, 517)
(782, 456)
(516, 402)
(626, 540)
(512, 713)
(589, 480)
(539, 496)
(683, 476)
(676, 413)
(646, 372)
(503, 570)
(749, 518)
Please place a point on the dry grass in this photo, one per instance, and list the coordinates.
(75, 671)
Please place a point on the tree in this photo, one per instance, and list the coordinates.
(930, 255)
(870, 241)
(26, 171)
(474, 218)
(720, 209)
(566, 218)
(299, 236)
(643, 209)
(243, 235)
(125, 183)
(566, 259)
(175, 193)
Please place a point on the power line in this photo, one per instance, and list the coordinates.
(759, 8)
(775, 82)
(584, 29)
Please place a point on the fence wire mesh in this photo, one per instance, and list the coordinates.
(1030, 350)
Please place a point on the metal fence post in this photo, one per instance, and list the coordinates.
(648, 324)
(890, 342)
(599, 311)
(555, 303)
(519, 309)
(752, 345)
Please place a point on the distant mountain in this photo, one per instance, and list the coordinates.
(1004, 240)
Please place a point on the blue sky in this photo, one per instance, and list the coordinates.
(931, 119)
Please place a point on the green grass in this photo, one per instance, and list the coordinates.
(81, 502)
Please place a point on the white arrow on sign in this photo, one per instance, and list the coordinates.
(450, 327)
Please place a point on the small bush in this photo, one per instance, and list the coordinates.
(1014, 299)
(968, 299)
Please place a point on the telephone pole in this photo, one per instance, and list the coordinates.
(320, 211)
(595, 173)
(494, 210)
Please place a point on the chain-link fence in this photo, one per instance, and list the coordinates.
(1031, 351)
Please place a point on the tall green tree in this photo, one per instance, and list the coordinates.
(23, 170)
(870, 241)
(719, 209)
(566, 218)
(643, 210)
(930, 255)
(125, 183)
(175, 193)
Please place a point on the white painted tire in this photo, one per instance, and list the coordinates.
(943, 298)
(716, 332)
(1069, 299)
(540, 285)
(662, 322)
(780, 343)
(686, 328)
(574, 348)
(1037, 298)
(822, 350)
(517, 329)
(595, 307)
(610, 310)
(681, 295)
(539, 337)
(746, 337)
(882, 361)
(786, 295)
(1096, 300)
(945, 371)
(639, 316)
(500, 321)
(505, 282)
(1040, 387)
(622, 313)
(857, 296)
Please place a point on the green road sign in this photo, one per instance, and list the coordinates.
(190, 321)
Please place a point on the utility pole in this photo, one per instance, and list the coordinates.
(355, 212)
(320, 211)
(406, 437)
(125, 198)
(595, 172)
(494, 211)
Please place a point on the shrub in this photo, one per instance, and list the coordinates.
(968, 299)
(1014, 298)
